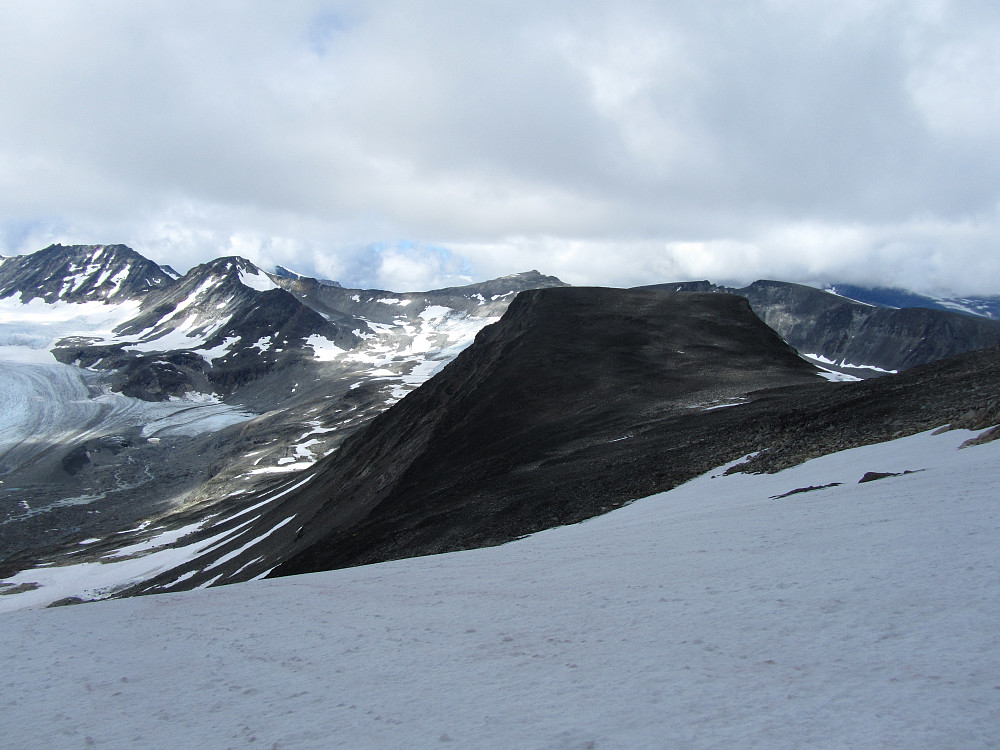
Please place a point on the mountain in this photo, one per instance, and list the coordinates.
(307, 426)
(128, 407)
(981, 306)
(576, 402)
(81, 273)
(487, 299)
(220, 326)
(527, 448)
(853, 337)
(532, 426)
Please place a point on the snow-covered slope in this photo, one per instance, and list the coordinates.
(732, 611)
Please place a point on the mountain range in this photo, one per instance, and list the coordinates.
(231, 423)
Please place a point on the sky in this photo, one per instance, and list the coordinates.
(411, 144)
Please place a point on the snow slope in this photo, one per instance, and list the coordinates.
(714, 615)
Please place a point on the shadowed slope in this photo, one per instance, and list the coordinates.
(577, 402)
(853, 333)
(536, 423)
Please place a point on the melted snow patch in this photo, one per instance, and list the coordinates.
(219, 351)
(435, 312)
(838, 377)
(262, 344)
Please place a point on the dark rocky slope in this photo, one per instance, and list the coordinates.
(852, 333)
(581, 402)
(537, 424)
(577, 402)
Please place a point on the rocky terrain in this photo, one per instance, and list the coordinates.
(857, 338)
(132, 393)
(577, 402)
(230, 424)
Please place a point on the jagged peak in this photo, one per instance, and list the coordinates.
(232, 269)
(79, 273)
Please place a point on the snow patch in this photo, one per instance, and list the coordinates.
(257, 280)
(323, 349)
(819, 358)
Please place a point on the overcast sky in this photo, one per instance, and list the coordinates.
(411, 144)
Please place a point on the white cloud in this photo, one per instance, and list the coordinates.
(617, 142)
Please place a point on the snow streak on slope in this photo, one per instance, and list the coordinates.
(164, 549)
(719, 614)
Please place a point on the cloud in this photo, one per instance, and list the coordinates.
(606, 142)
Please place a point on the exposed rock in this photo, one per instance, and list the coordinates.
(851, 333)
(872, 476)
(81, 273)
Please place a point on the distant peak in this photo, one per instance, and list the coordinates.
(286, 273)
(230, 264)
(82, 273)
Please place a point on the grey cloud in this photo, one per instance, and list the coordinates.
(623, 142)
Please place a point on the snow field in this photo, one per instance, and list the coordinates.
(713, 615)
(29, 330)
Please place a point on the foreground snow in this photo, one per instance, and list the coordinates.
(714, 615)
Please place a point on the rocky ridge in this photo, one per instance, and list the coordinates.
(853, 337)
(578, 401)
(81, 273)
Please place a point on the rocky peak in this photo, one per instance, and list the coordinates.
(81, 273)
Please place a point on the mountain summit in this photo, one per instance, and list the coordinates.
(81, 273)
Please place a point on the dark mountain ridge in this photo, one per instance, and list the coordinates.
(494, 466)
(509, 439)
(854, 337)
(528, 427)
